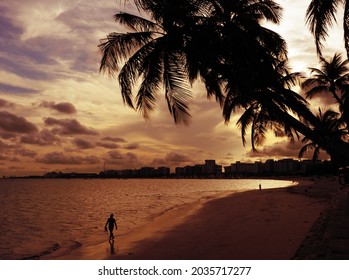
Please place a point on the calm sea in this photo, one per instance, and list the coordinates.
(39, 217)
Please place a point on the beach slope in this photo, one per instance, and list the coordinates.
(267, 224)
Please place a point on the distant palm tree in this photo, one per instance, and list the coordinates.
(332, 78)
(320, 16)
(332, 120)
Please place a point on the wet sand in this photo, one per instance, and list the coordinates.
(253, 225)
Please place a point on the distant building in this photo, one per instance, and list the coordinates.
(210, 169)
(163, 171)
(287, 166)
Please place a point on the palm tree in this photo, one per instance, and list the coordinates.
(223, 44)
(320, 16)
(152, 52)
(332, 78)
(260, 119)
(333, 121)
(196, 38)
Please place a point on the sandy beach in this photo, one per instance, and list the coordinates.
(266, 224)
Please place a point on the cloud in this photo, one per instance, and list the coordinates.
(26, 153)
(172, 159)
(114, 139)
(4, 146)
(131, 157)
(133, 146)
(16, 89)
(83, 144)
(5, 103)
(43, 138)
(69, 127)
(128, 160)
(17, 124)
(115, 155)
(279, 150)
(60, 158)
(62, 107)
(9, 29)
(107, 145)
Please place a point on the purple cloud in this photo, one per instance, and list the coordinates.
(60, 158)
(26, 153)
(5, 103)
(43, 138)
(280, 150)
(133, 146)
(107, 145)
(122, 160)
(17, 124)
(83, 144)
(172, 159)
(69, 127)
(16, 89)
(62, 107)
(114, 139)
(115, 155)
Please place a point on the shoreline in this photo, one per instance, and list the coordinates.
(266, 224)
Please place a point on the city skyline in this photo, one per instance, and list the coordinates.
(58, 113)
(208, 169)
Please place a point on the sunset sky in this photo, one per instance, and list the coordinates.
(58, 113)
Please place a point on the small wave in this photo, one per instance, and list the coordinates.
(48, 251)
(55, 250)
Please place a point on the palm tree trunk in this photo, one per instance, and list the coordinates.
(346, 26)
(333, 91)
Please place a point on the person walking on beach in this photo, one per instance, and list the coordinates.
(111, 223)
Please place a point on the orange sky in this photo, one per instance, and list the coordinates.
(59, 114)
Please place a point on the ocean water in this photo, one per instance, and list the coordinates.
(41, 216)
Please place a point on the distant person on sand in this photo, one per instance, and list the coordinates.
(110, 223)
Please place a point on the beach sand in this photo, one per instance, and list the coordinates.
(253, 225)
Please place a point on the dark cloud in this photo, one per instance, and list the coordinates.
(25, 69)
(62, 107)
(5, 103)
(17, 124)
(26, 153)
(3, 157)
(7, 135)
(133, 146)
(43, 138)
(107, 145)
(15, 89)
(114, 139)
(172, 159)
(121, 160)
(115, 155)
(83, 144)
(9, 30)
(60, 158)
(69, 127)
(132, 157)
(278, 150)
(5, 146)
(16, 167)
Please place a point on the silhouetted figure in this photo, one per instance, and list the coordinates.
(260, 186)
(110, 223)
